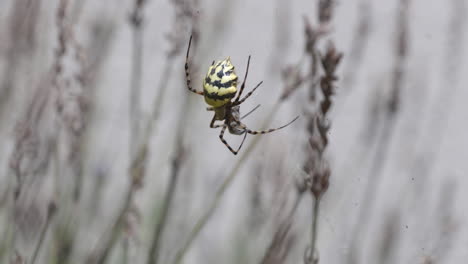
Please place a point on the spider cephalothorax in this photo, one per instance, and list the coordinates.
(219, 88)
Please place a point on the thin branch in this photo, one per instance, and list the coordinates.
(137, 159)
(388, 129)
(279, 238)
(51, 210)
(176, 165)
(136, 21)
(101, 256)
(183, 15)
(201, 222)
(312, 257)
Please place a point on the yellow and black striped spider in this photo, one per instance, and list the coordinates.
(219, 87)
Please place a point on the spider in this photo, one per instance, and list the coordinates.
(219, 88)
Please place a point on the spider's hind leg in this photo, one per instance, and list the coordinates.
(221, 137)
(251, 111)
(255, 132)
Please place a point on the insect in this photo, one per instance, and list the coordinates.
(219, 90)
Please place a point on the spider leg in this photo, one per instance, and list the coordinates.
(248, 95)
(221, 137)
(212, 125)
(187, 70)
(243, 82)
(253, 132)
(251, 111)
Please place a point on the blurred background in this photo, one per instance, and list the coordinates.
(106, 157)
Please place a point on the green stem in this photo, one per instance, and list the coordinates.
(50, 215)
(313, 235)
(221, 190)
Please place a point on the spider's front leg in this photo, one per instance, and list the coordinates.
(248, 95)
(238, 100)
(243, 83)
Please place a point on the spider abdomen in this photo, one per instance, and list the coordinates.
(220, 83)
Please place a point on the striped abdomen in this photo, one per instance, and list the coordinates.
(220, 83)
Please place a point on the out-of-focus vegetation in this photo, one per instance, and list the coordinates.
(106, 157)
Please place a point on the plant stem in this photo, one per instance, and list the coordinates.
(221, 190)
(116, 229)
(135, 87)
(169, 195)
(50, 214)
(313, 235)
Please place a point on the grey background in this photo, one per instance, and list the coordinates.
(419, 197)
